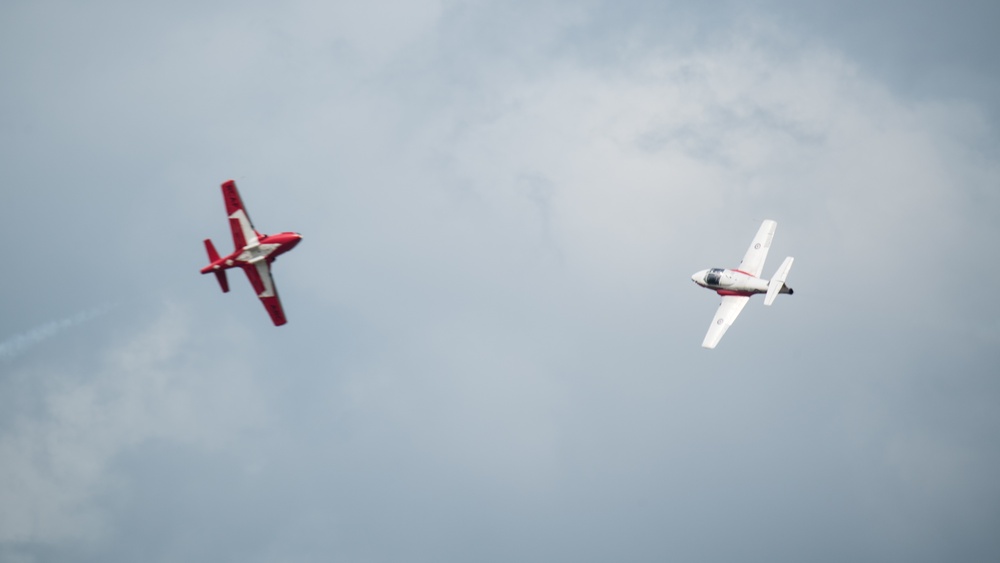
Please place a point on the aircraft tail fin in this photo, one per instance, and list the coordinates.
(213, 257)
(777, 283)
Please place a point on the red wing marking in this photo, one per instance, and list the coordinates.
(259, 275)
(239, 241)
(273, 306)
(255, 280)
(232, 197)
(239, 219)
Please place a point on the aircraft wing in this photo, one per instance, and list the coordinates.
(730, 308)
(753, 261)
(263, 284)
(239, 222)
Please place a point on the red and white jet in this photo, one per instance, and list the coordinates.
(736, 286)
(254, 253)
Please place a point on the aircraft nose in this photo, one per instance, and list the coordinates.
(694, 278)
(290, 240)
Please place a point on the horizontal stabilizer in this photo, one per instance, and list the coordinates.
(777, 283)
(213, 256)
(223, 282)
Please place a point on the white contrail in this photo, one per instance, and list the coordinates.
(15, 345)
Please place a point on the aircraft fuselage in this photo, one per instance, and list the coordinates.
(731, 282)
(267, 247)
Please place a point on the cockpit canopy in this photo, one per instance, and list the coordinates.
(714, 276)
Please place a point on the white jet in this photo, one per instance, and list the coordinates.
(737, 286)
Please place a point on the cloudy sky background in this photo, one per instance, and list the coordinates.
(493, 348)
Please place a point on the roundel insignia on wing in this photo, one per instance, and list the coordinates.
(718, 322)
(756, 246)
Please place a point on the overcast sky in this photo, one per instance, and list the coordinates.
(493, 342)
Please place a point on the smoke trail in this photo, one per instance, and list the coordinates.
(16, 345)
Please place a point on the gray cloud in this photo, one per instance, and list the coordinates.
(19, 343)
(493, 349)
